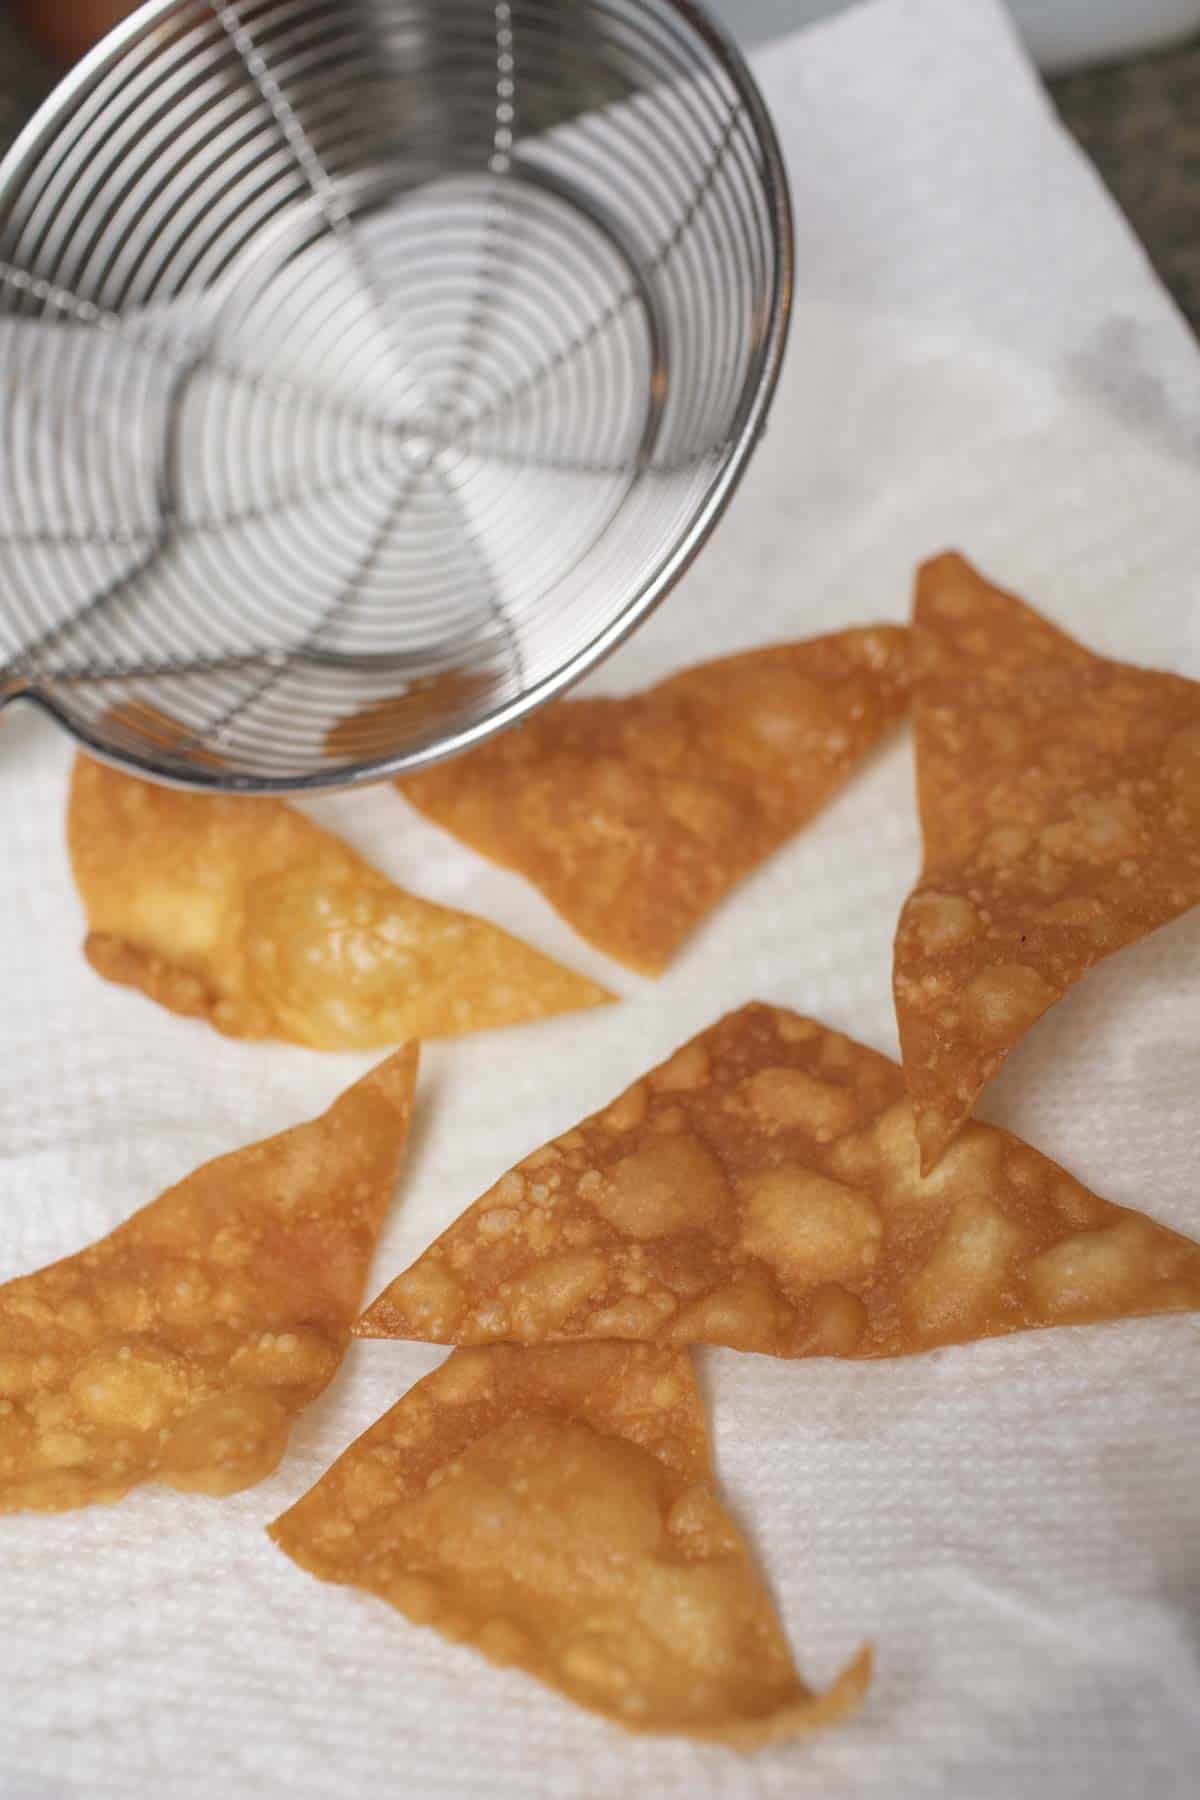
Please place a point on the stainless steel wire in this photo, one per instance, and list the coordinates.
(368, 368)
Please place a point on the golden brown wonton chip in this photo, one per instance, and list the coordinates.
(761, 1189)
(140, 720)
(555, 1508)
(181, 1347)
(395, 722)
(1060, 805)
(243, 912)
(635, 816)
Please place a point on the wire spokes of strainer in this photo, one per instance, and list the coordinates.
(368, 368)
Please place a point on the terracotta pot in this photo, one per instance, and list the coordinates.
(66, 28)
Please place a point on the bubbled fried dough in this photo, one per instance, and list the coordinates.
(243, 912)
(181, 1347)
(634, 816)
(554, 1508)
(1060, 806)
(761, 1189)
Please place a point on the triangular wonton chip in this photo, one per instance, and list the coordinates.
(761, 1190)
(634, 816)
(244, 912)
(134, 722)
(555, 1508)
(424, 706)
(181, 1347)
(1060, 805)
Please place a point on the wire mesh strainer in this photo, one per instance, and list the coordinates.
(369, 368)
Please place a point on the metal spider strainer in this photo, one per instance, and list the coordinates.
(368, 368)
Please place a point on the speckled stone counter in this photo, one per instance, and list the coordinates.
(1138, 120)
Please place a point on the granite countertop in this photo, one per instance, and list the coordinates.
(1138, 120)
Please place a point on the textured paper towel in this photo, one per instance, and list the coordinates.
(980, 356)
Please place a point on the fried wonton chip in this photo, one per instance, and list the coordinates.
(181, 1347)
(1060, 805)
(635, 816)
(425, 703)
(136, 721)
(555, 1508)
(761, 1189)
(245, 913)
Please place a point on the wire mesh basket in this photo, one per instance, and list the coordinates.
(368, 369)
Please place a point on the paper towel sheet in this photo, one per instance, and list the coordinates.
(980, 356)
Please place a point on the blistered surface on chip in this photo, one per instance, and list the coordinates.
(554, 1508)
(634, 816)
(181, 1347)
(243, 912)
(762, 1189)
(1060, 804)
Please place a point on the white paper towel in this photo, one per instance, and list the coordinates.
(980, 356)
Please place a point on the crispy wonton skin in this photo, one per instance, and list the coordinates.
(243, 912)
(424, 704)
(761, 1189)
(555, 1509)
(1060, 806)
(181, 1347)
(135, 723)
(634, 816)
